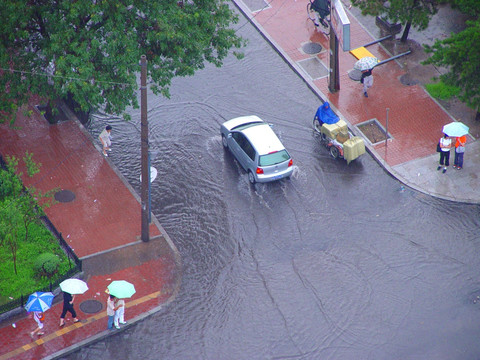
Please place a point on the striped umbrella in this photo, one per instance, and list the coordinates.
(39, 301)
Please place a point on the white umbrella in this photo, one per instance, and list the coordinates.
(74, 286)
(456, 129)
(366, 63)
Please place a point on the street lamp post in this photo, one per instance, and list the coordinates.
(144, 155)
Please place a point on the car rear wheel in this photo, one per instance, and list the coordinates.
(334, 152)
(316, 126)
(251, 177)
(224, 142)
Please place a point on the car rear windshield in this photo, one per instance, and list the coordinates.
(274, 158)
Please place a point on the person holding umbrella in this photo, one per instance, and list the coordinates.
(39, 317)
(70, 287)
(68, 300)
(366, 65)
(458, 130)
(367, 81)
(459, 151)
(38, 303)
(111, 311)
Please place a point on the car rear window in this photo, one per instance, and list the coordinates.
(274, 158)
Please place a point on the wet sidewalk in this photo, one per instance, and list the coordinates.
(415, 120)
(101, 224)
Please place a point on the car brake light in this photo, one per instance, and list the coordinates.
(259, 170)
(290, 163)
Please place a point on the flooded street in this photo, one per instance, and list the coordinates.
(339, 262)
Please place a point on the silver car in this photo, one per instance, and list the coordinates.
(257, 149)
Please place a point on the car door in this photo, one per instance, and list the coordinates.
(240, 147)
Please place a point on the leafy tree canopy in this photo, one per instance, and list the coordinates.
(91, 48)
(460, 53)
(471, 7)
(416, 13)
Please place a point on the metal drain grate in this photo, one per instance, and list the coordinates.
(91, 306)
(64, 196)
(314, 68)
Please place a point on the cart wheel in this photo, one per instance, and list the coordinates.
(316, 126)
(334, 152)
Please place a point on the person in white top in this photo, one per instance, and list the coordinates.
(39, 317)
(445, 145)
(106, 139)
(119, 313)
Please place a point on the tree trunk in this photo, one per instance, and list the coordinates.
(405, 32)
(48, 112)
(477, 116)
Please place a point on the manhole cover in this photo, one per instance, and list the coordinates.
(311, 48)
(91, 306)
(64, 196)
(355, 74)
(407, 79)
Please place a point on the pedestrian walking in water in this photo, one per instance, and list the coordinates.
(106, 139)
(445, 145)
(68, 300)
(367, 81)
(459, 151)
(39, 318)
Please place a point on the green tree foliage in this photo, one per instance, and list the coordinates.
(91, 48)
(46, 264)
(19, 206)
(470, 7)
(10, 222)
(416, 13)
(460, 53)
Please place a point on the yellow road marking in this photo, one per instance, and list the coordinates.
(72, 327)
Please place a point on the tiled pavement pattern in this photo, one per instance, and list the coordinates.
(102, 224)
(415, 120)
(105, 216)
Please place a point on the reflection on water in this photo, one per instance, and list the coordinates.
(337, 263)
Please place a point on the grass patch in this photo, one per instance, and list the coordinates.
(442, 91)
(31, 258)
(28, 278)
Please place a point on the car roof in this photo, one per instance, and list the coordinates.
(263, 139)
(260, 134)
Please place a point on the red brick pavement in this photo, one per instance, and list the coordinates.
(104, 215)
(415, 120)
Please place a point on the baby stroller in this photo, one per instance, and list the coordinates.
(319, 12)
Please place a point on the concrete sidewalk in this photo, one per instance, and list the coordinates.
(102, 225)
(415, 119)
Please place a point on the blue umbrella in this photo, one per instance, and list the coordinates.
(456, 129)
(39, 301)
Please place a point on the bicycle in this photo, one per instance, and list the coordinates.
(319, 12)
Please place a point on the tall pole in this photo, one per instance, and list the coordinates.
(144, 155)
(334, 80)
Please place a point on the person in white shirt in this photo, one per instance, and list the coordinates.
(119, 313)
(445, 145)
(106, 139)
(111, 311)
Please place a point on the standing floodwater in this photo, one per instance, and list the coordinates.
(337, 263)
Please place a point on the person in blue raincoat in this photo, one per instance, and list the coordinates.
(325, 114)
